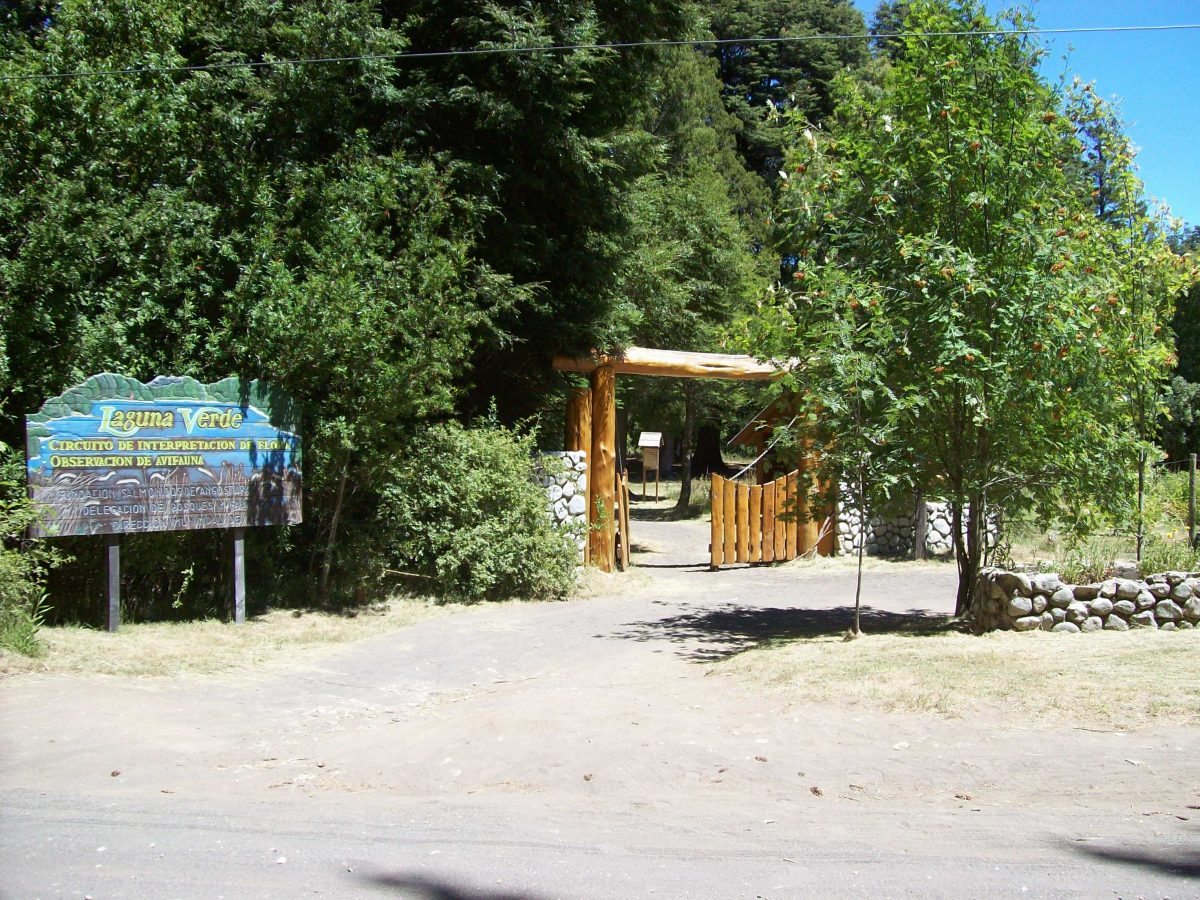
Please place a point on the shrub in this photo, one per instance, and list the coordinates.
(465, 513)
(1166, 554)
(23, 562)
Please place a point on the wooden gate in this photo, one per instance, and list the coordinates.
(762, 523)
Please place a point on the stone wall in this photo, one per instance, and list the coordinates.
(894, 536)
(1018, 602)
(564, 476)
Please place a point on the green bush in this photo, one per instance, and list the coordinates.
(23, 563)
(1166, 554)
(465, 513)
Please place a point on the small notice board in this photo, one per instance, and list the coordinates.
(650, 443)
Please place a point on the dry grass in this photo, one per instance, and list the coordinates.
(849, 563)
(1108, 680)
(209, 646)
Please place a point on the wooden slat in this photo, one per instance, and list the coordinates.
(768, 525)
(743, 523)
(730, 524)
(781, 512)
(825, 547)
(806, 525)
(756, 527)
(716, 548)
(625, 538)
(794, 507)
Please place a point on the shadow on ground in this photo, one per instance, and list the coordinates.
(418, 887)
(721, 632)
(1184, 863)
(664, 514)
(641, 553)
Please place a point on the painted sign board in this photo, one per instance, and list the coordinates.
(116, 456)
(650, 439)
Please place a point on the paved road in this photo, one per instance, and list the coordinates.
(586, 749)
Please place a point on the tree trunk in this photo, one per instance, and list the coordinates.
(1141, 503)
(968, 549)
(689, 449)
(706, 458)
(960, 558)
(327, 564)
(862, 547)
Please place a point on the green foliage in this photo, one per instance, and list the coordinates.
(1089, 559)
(1168, 554)
(950, 217)
(1186, 323)
(691, 265)
(367, 236)
(1179, 426)
(23, 563)
(465, 513)
(764, 78)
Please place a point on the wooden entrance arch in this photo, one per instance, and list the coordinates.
(592, 418)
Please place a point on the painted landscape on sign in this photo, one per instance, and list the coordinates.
(114, 456)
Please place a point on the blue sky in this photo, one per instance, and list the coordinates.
(1154, 75)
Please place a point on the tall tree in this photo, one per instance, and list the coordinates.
(367, 234)
(691, 263)
(762, 78)
(1179, 421)
(955, 196)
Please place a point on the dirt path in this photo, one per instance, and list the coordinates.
(611, 707)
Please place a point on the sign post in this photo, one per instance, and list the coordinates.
(237, 537)
(115, 456)
(112, 582)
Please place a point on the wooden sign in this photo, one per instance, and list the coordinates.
(116, 456)
(650, 442)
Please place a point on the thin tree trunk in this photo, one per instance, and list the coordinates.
(689, 450)
(327, 564)
(968, 550)
(862, 547)
(961, 559)
(1141, 503)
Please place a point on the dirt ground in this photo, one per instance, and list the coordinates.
(620, 706)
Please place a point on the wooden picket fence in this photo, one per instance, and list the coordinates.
(756, 523)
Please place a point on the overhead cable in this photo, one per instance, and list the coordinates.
(569, 48)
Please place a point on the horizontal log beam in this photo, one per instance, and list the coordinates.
(675, 364)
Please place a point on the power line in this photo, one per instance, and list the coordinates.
(566, 48)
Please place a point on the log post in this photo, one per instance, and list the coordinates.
(603, 467)
(579, 421)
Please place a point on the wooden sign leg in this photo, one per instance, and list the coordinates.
(112, 581)
(238, 540)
